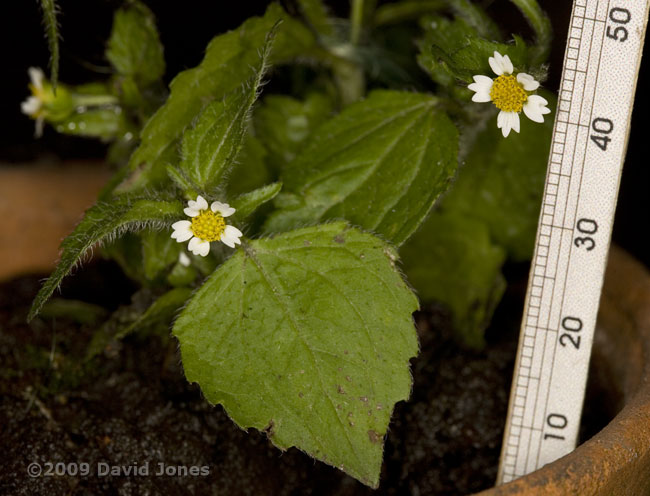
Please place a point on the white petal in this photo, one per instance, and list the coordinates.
(541, 102)
(30, 106)
(501, 119)
(514, 121)
(533, 113)
(183, 259)
(191, 212)
(199, 246)
(500, 64)
(192, 244)
(495, 64)
(507, 65)
(481, 86)
(535, 108)
(227, 241)
(527, 81)
(223, 208)
(182, 235)
(203, 248)
(182, 231)
(36, 75)
(507, 121)
(233, 234)
(181, 224)
(201, 204)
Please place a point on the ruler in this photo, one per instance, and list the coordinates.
(591, 130)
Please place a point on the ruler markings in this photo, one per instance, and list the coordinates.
(577, 203)
(537, 447)
(548, 384)
(534, 335)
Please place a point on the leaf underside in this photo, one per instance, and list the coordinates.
(102, 222)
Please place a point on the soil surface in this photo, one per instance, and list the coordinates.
(132, 405)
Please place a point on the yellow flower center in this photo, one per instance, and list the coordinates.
(507, 94)
(42, 94)
(208, 226)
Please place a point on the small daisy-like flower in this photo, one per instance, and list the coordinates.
(43, 105)
(33, 105)
(207, 225)
(510, 94)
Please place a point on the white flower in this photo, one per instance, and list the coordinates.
(33, 105)
(509, 94)
(207, 225)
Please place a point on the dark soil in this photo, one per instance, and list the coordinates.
(133, 405)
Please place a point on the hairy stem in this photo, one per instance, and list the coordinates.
(50, 10)
(541, 24)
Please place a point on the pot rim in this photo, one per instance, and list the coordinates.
(617, 459)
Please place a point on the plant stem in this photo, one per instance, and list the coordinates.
(188, 189)
(393, 13)
(50, 11)
(94, 100)
(356, 21)
(541, 24)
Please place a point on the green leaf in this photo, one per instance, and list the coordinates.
(161, 311)
(225, 67)
(247, 203)
(105, 123)
(50, 11)
(452, 50)
(211, 146)
(180, 275)
(316, 13)
(283, 123)
(103, 221)
(406, 10)
(490, 212)
(307, 336)
(380, 164)
(159, 251)
(476, 17)
(76, 310)
(451, 259)
(502, 182)
(134, 48)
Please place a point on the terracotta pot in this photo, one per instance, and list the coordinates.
(39, 206)
(616, 461)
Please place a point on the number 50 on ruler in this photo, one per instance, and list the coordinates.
(590, 135)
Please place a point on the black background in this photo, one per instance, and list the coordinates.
(187, 26)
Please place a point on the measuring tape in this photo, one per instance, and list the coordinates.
(591, 130)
